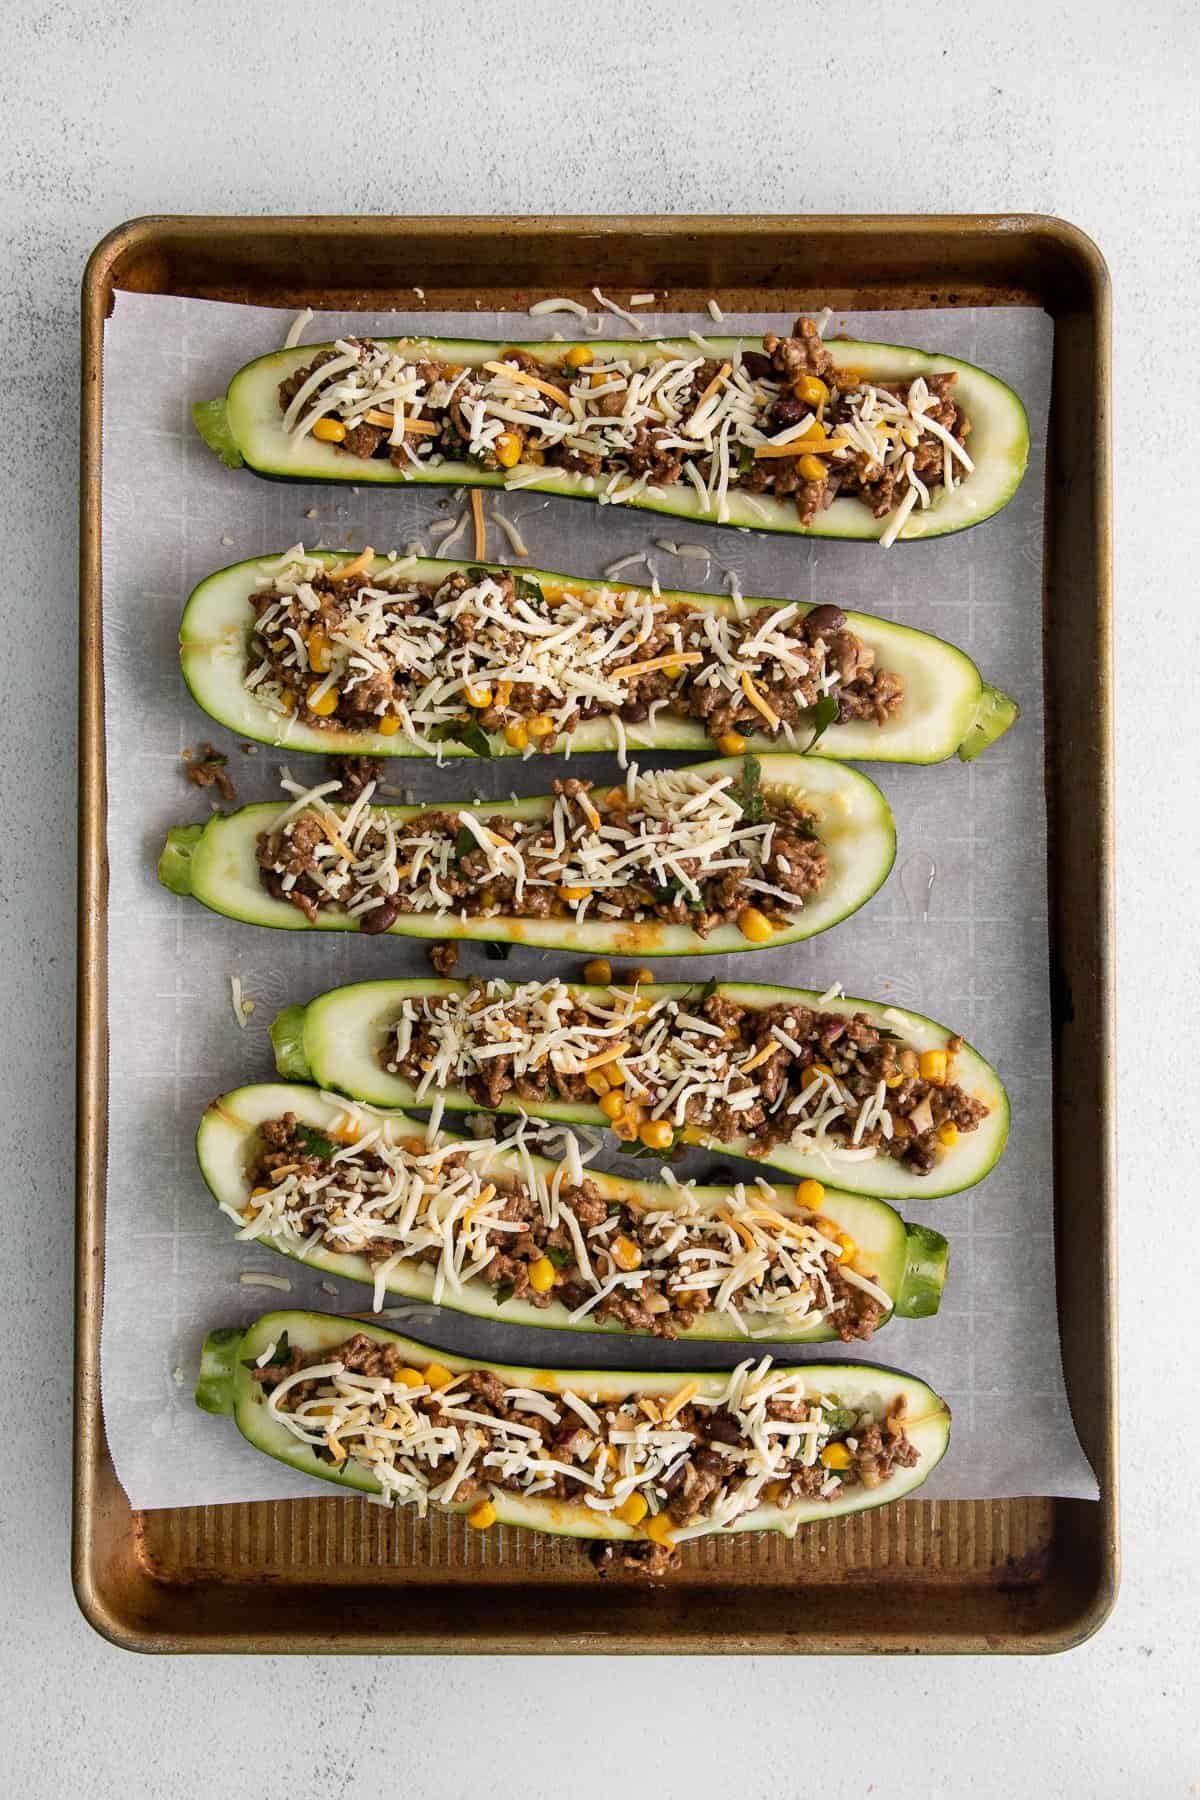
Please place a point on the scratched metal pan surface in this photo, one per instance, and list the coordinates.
(337, 1575)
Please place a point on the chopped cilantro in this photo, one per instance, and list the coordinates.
(464, 842)
(560, 1258)
(466, 732)
(748, 791)
(315, 1143)
(503, 1291)
(527, 589)
(824, 714)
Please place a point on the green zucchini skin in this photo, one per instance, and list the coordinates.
(908, 1261)
(947, 707)
(215, 864)
(245, 428)
(335, 1041)
(226, 1388)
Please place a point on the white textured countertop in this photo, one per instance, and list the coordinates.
(110, 111)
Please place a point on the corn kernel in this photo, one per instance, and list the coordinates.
(482, 1516)
(642, 975)
(598, 1081)
(437, 1377)
(731, 743)
(657, 1134)
(598, 972)
(612, 1104)
(847, 1246)
(933, 1066)
(627, 1125)
(388, 725)
(508, 449)
(321, 703)
(755, 925)
(893, 1081)
(812, 468)
(810, 1193)
(811, 389)
(541, 1275)
(329, 431)
(573, 895)
(947, 1134)
(478, 697)
(692, 1134)
(660, 1530)
(503, 692)
(673, 670)
(626, 1254)
(541, 726)
(631, 1511)
(835, 1456)
(320, 653)
(255, 1192)
(579, 356)
(409, 1378)
(516, 736)
(774, 1491)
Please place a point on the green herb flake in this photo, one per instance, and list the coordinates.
(527, 589)
(748, 791)
(279, 1355)
(466, 732)
(825, 713)
(315, 1143)
(560, 1258)
(504, 1291)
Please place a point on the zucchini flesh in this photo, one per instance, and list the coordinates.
(247, 424)
(908, 1261)
(216, 864)
(946, 706)
(335, 1041)
(226, 1387)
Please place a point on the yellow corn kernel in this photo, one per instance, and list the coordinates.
(847, 1246)
(255, 1192)
(324, 703)
(660, 1530)
(755, 925)
(673, 670)
(579, 356)
(947, 1134)
(573, 895)
(409, 1378)
(810, 1193)
(657, 1134)
(731, 743)
(541, 726)
(289, 701)
(692, 1134)
(631, 1511)
(812, 468)
(503, 692)
(330, 431)
(508, 449)
(598, 1081)
(598, 972)
(612, 1104)
(626, 1254)
(320, 653)
(598, 377)
(478, 697)
(541, 1275)
(482, 1516)
(516, 736)
(642, 975)
(933, 1066)
(774, 1491)
(811, 389)
(893, 1081)
(835, 1456)
(436, 1377)
(628, 1124)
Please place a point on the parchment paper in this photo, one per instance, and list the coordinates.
(959, 931)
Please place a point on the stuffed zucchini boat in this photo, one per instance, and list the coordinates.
(718, 857)
(490, 1229)
(841, 439)
(869, 1097)
(392, 656)
(648, 1460)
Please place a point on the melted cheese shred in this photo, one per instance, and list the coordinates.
(408, 1200)
(605, 408)
(426, 1445)
(577, 648)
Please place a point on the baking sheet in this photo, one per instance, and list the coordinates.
(959, 931)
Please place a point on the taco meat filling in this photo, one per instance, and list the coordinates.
(492, 651)
(677, 846)
(670, 1466)
(699, 1067)
(359, 1189)
(783, 422)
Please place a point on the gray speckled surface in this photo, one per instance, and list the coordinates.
(114, 110)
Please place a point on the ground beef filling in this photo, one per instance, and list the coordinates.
(858, 1451)
(925, 1108)
(302, 645)
(524, 1259)
(783, 373)
(295, 865)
